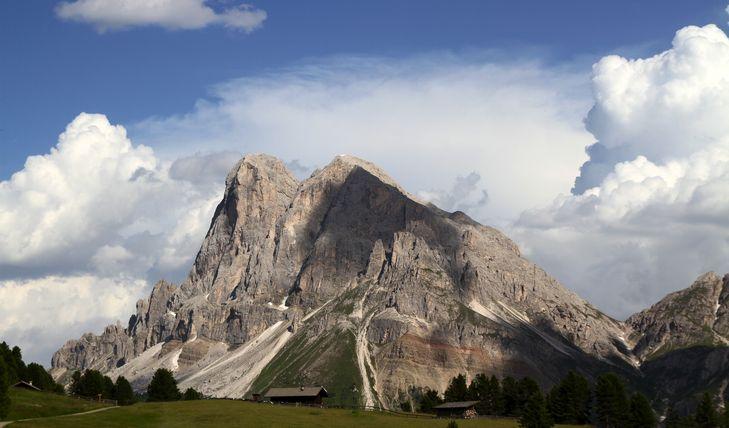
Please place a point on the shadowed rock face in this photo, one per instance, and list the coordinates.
(345, 279)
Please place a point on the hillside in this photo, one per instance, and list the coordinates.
(37, 404)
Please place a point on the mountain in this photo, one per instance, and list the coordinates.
(346, 280)
(682, 341)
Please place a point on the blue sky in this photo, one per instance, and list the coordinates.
(52, 69)
(584, 130)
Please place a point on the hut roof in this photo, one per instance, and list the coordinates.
(26, 385)
(457, 405)
(302, 391)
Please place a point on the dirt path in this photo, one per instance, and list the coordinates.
(5, 423)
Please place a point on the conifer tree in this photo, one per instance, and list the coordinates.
(163, 387)
(430, 399)
(611, 405)
(510, 396)
(457, 390)
(123, 393)
(534, 413)
(569, 401)
(706, 416)
(641, 413)
(4, 386)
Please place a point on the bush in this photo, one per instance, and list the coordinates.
(163, 387)
(191, 394)
(405, 406)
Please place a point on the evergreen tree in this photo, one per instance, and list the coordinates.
(612, 405)
(191, 394)
(123, 393)
(534, 413)
(163, 387)
(19, 364)
(4, 386)
(7, 356)
(526, 387)
(510, 396)
(76, 383)
(109, 390)
(724, 418)
(569, 401)
(706, 416)
(457, 390)
(429, 400)
(487, 391)
(673, 420)
(641, 413)
(92, 384)
(42, 379)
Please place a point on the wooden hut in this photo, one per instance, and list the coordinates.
(456, 409)
(26, 385)
(306, 395)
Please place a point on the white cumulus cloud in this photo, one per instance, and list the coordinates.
(95, 221)
(40, 314)
(659, 218)
(171, 14)
(517, 125)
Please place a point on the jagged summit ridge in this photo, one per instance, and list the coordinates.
(347, 269)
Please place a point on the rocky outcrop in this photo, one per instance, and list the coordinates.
(344, 279)
(695, 316)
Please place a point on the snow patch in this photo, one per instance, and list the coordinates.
(282, 307)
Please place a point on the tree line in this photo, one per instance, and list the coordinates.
(89, 383)
(13, 370)
(572, 401)
(163, 387)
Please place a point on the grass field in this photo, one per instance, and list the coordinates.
(33, 404)
(224, 413)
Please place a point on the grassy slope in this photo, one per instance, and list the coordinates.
(223, 413)
(32, 404)
(328, 360)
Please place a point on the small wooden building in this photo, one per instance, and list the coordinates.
(26, 385)
(307, 395)
(456, 409)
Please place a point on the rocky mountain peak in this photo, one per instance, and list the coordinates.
(349, 270)
(697, 315)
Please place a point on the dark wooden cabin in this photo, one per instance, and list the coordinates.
(306, 395)
(456, 409)
(26, 385)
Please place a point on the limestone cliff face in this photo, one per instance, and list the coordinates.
(682, 341)
(345, 279)
(698, 315)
